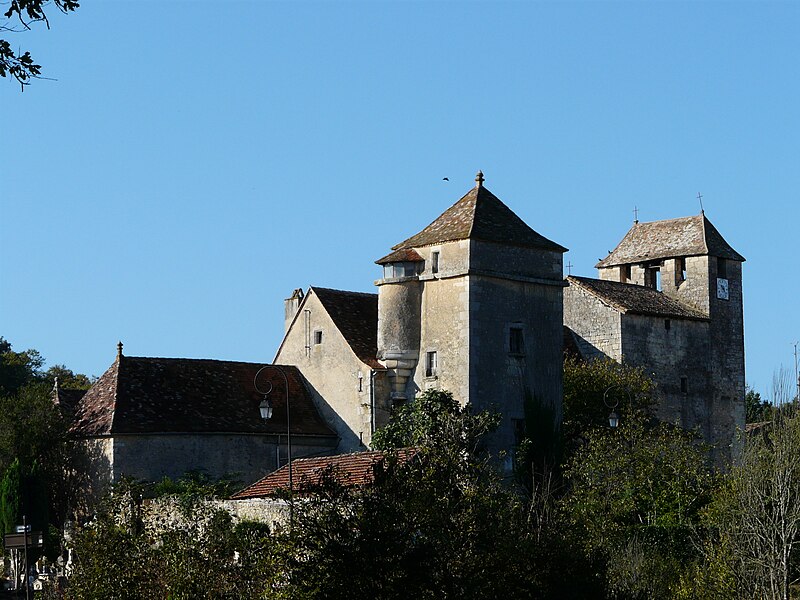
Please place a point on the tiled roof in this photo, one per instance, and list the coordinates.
(67, 400)
(348, 469)
(687, 236)
(183, 395)
(402, 255)
(355, 315)
(479, 215)
(636, 299)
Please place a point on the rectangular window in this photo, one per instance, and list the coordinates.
(684, 385)
(431, 364)
(680, 270)
(667, 324)
(318, 337)
(434, 262)
(516, 341)
(722, 268)
(626, 273)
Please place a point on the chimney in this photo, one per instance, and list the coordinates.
(290, 306)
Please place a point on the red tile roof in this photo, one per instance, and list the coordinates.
(355, 315)
(479, 215)
(672, 238)
(402, 255)
(349, 470)
(182, 395)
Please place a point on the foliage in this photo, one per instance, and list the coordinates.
(637, 495)
(436, 420)
(19, 17)
(756, 515)
(431, 527)
(195, 552)
(10, 498)
(756, 409)
(194, 486)
(592, 388)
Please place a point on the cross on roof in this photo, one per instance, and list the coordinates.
(700, 198)
(569, 266)
(635, 214)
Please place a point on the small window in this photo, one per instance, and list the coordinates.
(435, 262)
(680, 270)
(516, 341)
(684, 385)
(317, 337)
(722, 268)
(431, 364)
(626, 273)
(667, 324)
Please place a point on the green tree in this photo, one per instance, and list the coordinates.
(19, 17)
(636, 499)
(756, 409)
(441, 525)
(591, 388)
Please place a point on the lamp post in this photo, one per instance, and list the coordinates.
(613, 418)
(265, 408)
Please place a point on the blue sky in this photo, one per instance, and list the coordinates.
(193, 162)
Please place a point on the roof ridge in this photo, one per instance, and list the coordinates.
(315, 287)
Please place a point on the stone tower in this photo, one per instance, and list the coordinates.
(701, 377)
(473, 304)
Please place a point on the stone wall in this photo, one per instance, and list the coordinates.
(332, 371)
(248, 457)
(597, 326)
(668, 355)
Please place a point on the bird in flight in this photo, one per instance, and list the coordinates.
(445, 179)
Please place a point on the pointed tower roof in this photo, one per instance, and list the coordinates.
(687, 236)
(479, 215)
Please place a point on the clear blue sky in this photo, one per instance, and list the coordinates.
(196, 161)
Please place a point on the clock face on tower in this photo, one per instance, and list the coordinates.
(722, 289)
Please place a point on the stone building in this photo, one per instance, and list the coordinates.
(471, 304)
(148, 418)
(331, 337)
(669, 299)
(476, 304)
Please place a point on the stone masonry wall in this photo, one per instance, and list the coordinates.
(597, 327)
(332, 370)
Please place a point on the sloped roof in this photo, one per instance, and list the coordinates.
(479, 215)
(355, 315)
(349, 470)
(687, 236)
(67, 399)
(636, 299)
(183, 395)
(402, 255)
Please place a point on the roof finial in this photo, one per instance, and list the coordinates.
(119, 349)
(700, 197)
(635, 214)
(479, 179)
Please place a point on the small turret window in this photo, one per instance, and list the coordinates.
(435, 261)
(400, 269)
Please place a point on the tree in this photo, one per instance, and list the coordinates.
(441, 525)
(19, 17)
(756, 409)
(591, 388)
(756, 517)
(636, 498)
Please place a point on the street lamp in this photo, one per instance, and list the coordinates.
(613, 418)
(265, 408)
